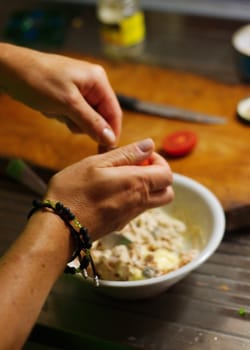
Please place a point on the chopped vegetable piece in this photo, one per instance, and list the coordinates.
(242, 311)
(149, 272)
(180, 143)
(124, 240)
(145, 162)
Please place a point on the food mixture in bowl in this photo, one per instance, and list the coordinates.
(151, 245)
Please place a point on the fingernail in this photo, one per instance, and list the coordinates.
(145, 145)
(108, 136)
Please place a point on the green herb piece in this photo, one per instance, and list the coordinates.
(125, 240)
(148, 272)
(242, 311)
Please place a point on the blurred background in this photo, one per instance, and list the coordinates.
(236, 9)
(193, 35)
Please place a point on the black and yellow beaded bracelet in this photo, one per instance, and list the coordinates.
(79, 233)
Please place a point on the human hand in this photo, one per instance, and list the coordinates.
(75, 91)
(106, 191)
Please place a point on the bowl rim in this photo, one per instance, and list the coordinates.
(236, 36)
(213, 243)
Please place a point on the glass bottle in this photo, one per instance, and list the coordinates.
(122, 27)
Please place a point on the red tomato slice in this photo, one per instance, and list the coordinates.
(180, 143)
(145, 162)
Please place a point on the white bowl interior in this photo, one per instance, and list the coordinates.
(196, 206)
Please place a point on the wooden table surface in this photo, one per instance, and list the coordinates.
(202, 311)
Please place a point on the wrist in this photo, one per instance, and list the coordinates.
(49, 237)
(79, 234)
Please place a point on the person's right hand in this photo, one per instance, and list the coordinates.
(106, 191)
(74, 91)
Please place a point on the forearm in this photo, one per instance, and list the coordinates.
(14, 61)
(7, 56)
(27, 273)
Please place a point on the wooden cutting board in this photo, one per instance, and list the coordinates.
(221, 160)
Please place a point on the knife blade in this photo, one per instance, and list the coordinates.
(166, 111)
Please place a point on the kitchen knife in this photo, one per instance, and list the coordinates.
(166, 111)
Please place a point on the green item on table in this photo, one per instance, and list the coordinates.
(18, 170)
(242, 311)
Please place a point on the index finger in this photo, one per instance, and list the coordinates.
(110, 110)
(158, 165)
(102, 97)
(156, 159)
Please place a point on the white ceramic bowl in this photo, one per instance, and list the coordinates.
(194, 204)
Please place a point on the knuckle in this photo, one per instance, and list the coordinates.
(71, 99)
(170, 193)
(142, 190)
(119, 113)
(126, 156)
(98, 71)
(129, 157)
(136, 191)
(170, 177)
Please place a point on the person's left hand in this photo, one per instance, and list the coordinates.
(106, 191)
(75, 91)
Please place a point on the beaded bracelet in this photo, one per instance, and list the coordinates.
(79, 234)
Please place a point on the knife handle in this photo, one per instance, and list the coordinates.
(126, 102)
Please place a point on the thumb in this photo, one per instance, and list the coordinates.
(131, 154)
